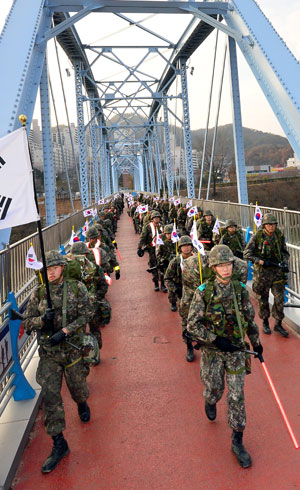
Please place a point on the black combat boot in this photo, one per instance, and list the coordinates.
(279, 328)
(238, 449)
(190, 356)
(266, 327)
(59, 451)
(173, 307)
(84, 412)
(163, 287)
(210, 410)
(156, 286)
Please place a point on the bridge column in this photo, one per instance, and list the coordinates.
(146, 174)
(237, 125)
(168, 148)
(157, 157)
(141, 173)
(187, 131)
(108, 172)
(102, 158)
(150, 160)
(114, 175)
(94, 150)
(49, 171)
(84, 191)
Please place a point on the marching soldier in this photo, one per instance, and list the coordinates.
(220, 316)
(173, 278)
(205, 229)
(233, 238)
(93, 235)
(164, 254)
(181, 219)
(58, 357)
(148, 242)
(267, 250)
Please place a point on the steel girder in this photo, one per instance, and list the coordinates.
(49, 173)
(237, 125)
(84, 188)
(187, 131)
(274, 66)
(168, 149)
(94, 150)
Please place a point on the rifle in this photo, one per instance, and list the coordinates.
(280, 265)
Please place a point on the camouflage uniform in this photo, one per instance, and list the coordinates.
(166, 252)
(264, 247)
(62, 359)
(205, 231)
(236, 241)
(146, 241)
(181, 220)
(212, 314)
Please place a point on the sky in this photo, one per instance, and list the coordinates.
(256, 112)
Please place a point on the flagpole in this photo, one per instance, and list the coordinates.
(199, 258)
(255, 221)
(176, 242)
(23, 119)
(220, 229)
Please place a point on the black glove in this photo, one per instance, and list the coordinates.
(115, 244)
(285, 268)
(268, 263)
(57, 338)
(225, 345)
(239, 254)
(118, 274)
(48, 318)
(259, 350)
(140, 252)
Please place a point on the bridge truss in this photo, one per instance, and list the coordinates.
(127, 120)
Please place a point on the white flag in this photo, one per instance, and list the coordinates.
(189, 204)
(74, 238)
(159, 240)
(257, 216)
(85, 228)
(199, 246)
(143, 208)
(176, 202)
(193, 233)
(88, 212)
(174, 236)
(101, 201)
(95, 212)
(31, 260)
(216, 228)
(17, 204)
(171, 199)
(192, 211)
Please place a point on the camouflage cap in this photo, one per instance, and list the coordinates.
(99, 226)
(207, 213)
(230, 222)
(53, 257)
(168, 228)
(92, 232)
(185, 240)
(79, 248)
(269, 219)
(155, 214)
(220, 254)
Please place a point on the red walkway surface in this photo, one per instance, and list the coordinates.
(148, 429)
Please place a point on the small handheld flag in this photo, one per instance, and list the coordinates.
(189, 204)
(216, 228)
(177, 202)
(192, 211)
(88, 212)
(31, 260)
(257, 216)
(174, 236)
(74, 238)
(159, 240)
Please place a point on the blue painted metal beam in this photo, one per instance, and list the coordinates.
(274, 66)
(168, 148)
(49, 171)
(187, 131)
(237, 125)
(84, 191)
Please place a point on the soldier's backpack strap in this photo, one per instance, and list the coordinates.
(64, 306)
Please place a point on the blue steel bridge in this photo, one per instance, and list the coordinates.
(125, 124)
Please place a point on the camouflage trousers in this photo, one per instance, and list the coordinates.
(214, 366)
(263, 282)
(152, 263)
(52, 366)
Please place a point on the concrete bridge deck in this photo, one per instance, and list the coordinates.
(148, 429)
